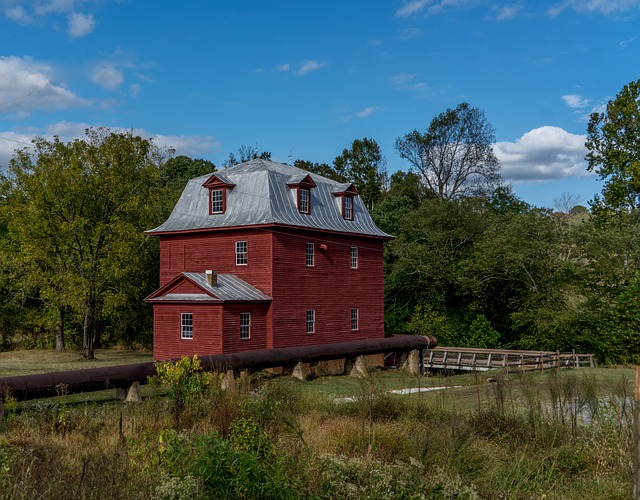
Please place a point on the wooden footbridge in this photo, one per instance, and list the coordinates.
(464, 359)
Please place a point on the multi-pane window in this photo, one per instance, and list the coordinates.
(311, 320)
(245, 325)
(186, 325)
(242, 253)
(303, 200)
(347, 208)
(354, 257)
(310, 255)
(217, 201)
(354, 318)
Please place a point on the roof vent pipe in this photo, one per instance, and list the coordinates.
(212, 278)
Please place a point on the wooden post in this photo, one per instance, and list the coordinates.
(636, 437)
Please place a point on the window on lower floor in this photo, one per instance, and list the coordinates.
(245, 325)
(186, 325)
(242, 253)
(311, 320)
(354, 318)
(310, 255)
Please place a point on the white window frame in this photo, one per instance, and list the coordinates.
(304, 201)
(310, 255)
(355, 320)
(354, 257)
(186, 326)
(245, 325)
(311, 321)
(347, 208)
(217, 201)
(242, 253)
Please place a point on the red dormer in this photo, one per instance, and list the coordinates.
(303, 186)
(218, 187)
(346, 198)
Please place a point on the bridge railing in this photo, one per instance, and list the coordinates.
(466, 359)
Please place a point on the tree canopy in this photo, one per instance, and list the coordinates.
(613, 144)
(79, 211)
(455, 155)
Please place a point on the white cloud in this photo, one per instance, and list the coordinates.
(108, 77)
(188, 145)
(411, 8)
(27, 12)
(545, 153)
(605, 7)
(409, 34)
(625, 43)
(507, 12)
(368, 111)
(576, 101)
(406, 82)
(309, 66)
(80, 25)
(55, 6)
(434, 6)
(134, 90)
(10, 142)
(18, 14)
(193, 145)
(284, 67)
(25, 85)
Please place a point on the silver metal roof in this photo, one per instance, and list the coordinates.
(262, 196)
(229, 288)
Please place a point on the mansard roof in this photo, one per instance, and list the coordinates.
(265, 193)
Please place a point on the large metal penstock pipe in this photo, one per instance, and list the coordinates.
(97, 379)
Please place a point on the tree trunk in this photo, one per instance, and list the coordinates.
(87, 330)
(60, 330)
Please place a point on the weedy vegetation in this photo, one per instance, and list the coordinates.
(560, 434)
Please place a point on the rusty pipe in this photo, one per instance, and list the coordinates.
(97, 379)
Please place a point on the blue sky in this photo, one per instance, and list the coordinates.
(304, 79)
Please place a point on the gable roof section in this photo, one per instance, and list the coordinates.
(217, 180)
(193, 287)
(263, 195)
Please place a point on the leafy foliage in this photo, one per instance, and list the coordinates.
(78, 212)
(454, 156)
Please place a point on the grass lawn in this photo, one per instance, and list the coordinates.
(15, 363)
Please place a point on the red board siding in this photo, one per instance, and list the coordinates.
(277, 266)
(207, 328)
(217, 251)
(331, 287)
(184, 286)
(231, 327)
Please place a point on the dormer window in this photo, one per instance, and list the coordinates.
(303, 185)
(217, 200)
(347, 207)
(346, 195)
(218, 187)
(303, 201)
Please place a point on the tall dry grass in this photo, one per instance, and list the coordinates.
(564, 435)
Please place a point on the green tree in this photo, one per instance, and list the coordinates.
(613, 144)
(245, 153)
(455, 155)
(177, 171)
(79, 211)
(364, 166)
(321, 169)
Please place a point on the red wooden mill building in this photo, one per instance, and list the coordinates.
(264, 255)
